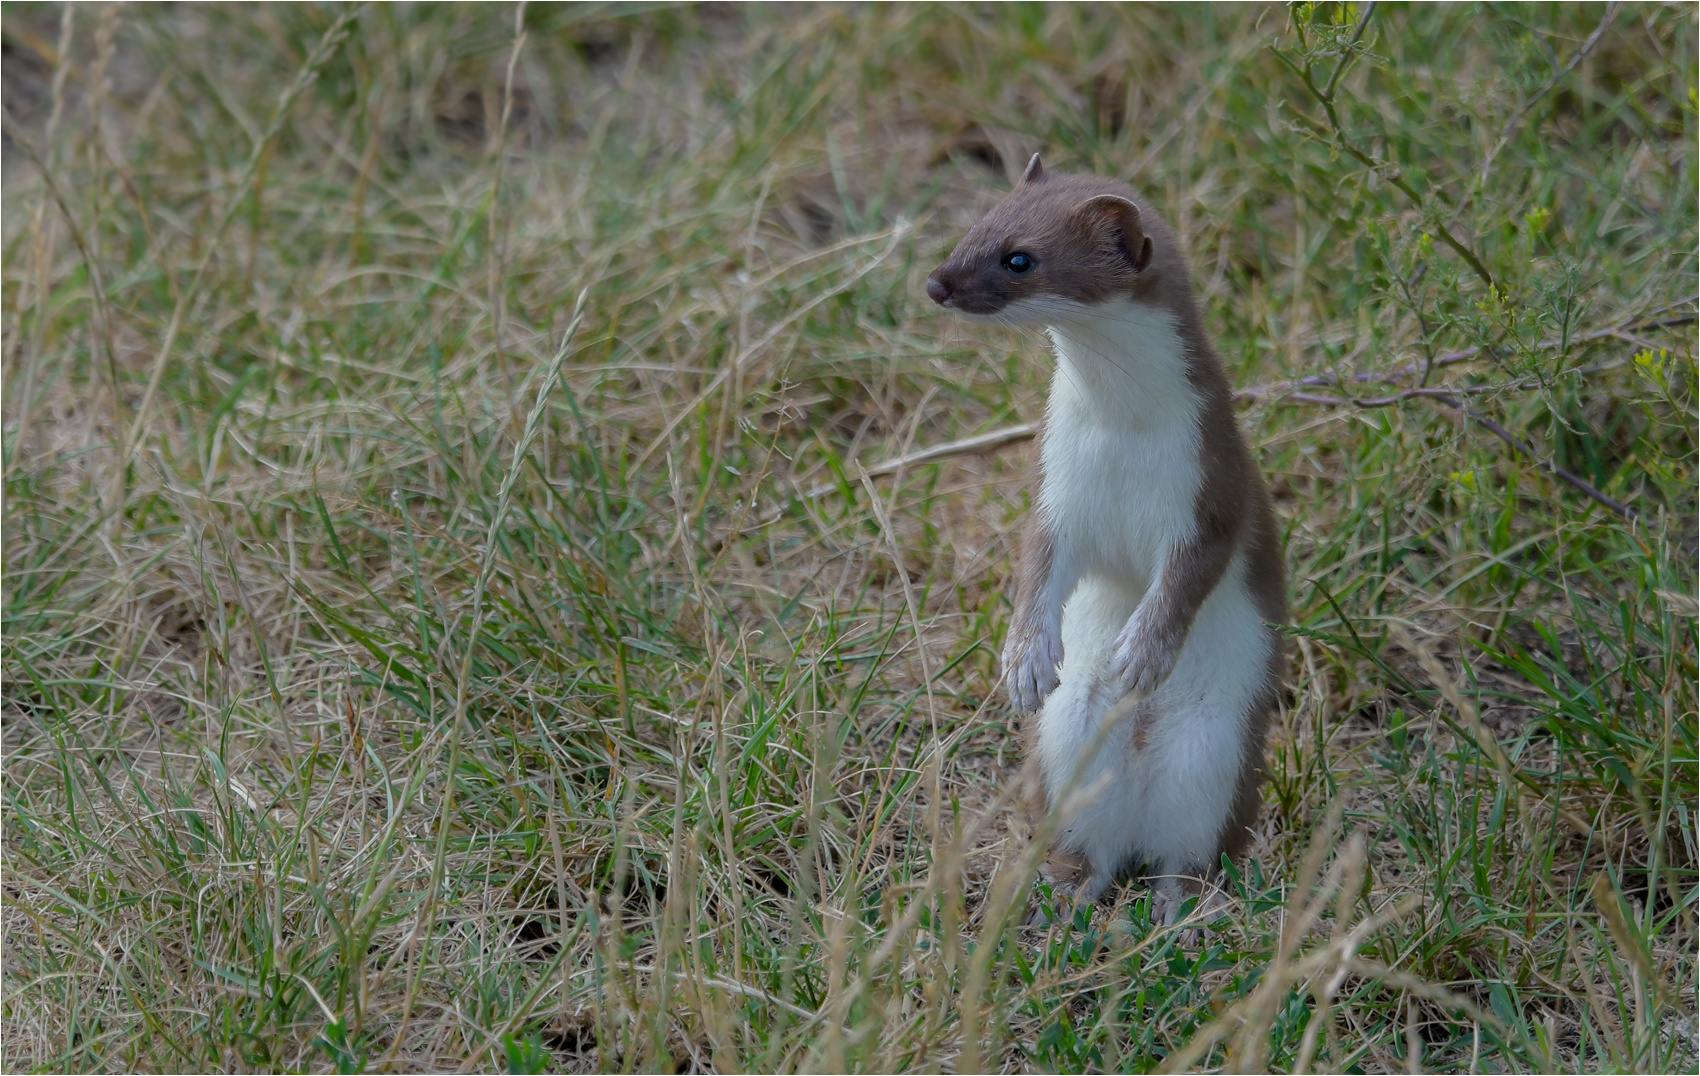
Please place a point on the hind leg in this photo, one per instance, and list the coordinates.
(1190, 769)
(1201, 758)
(1073, 883)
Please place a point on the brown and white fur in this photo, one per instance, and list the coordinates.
(1151, 569)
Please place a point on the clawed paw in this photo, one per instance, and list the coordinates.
(1169, 897)
(1030, 670)
(1139, 664)
(1166, 905)
(1067, 899)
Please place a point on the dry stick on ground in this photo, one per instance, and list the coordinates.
(1448, 397)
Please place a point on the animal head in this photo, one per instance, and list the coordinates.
(1072, 239)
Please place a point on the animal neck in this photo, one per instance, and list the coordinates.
(1122, 364)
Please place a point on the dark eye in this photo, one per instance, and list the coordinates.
(1018, 262)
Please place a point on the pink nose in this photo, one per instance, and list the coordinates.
(937, 290)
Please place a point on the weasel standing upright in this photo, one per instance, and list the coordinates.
(1151, 570)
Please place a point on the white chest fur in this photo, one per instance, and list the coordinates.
(1121, 448)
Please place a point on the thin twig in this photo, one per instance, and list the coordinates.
(1346, 60)
(1522, 446)
(1390, 172)
(1384, 401)
(1393, 377)
(1438, 393)
(993, 440)
(1516, 122)
(968, 446)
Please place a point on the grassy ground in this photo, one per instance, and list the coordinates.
(446, 622)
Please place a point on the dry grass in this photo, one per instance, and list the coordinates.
(397, 677)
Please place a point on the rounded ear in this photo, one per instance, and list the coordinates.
(1035, 171)
(1114, 211)
(1147, 250)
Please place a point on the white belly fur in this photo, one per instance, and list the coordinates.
(1157, 785)
(1121, 478)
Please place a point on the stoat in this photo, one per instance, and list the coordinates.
(1151, 572)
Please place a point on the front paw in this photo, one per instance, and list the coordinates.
(1030, 669)
(1141, 660)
